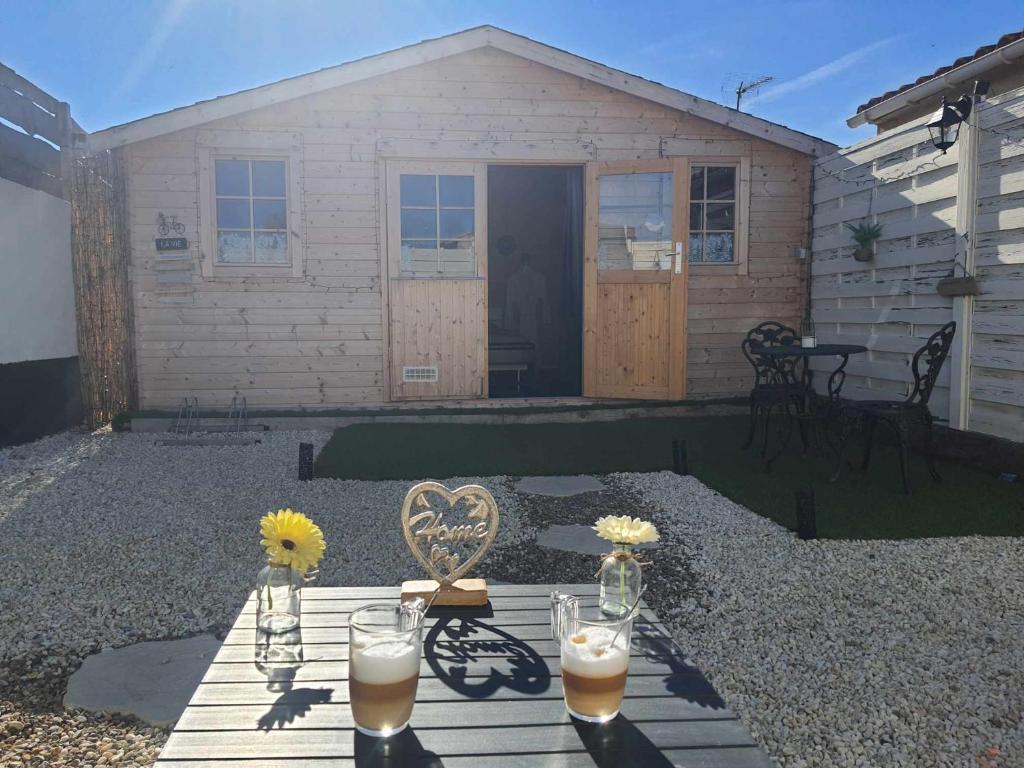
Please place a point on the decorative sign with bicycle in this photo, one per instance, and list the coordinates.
(165, 225)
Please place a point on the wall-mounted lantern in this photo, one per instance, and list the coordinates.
(944, 127)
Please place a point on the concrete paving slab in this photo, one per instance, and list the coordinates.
(153, 681)
(577, 538)
(559, 485)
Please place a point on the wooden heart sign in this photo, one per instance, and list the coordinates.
(448, 531)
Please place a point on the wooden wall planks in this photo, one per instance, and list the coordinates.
(484, 105)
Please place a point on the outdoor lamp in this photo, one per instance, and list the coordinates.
(944, 127)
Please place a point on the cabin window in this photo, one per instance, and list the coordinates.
(634, 228)
(713, 202)
(437, 219)
(251, 211)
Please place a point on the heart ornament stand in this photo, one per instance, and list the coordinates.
(449, 532)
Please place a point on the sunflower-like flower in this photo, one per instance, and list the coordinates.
(292, 539)
(626, 530)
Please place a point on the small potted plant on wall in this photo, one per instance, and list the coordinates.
(865, 235)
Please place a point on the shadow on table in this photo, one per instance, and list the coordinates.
(279, 658)
(685, 681)
(399, 751)
(619, 743)
(450, 649)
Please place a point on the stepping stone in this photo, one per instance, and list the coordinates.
(577, 538)
(153, 681)
(559, 485)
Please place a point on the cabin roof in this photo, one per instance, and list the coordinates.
(438, 48)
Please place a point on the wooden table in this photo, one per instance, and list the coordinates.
(489, 695)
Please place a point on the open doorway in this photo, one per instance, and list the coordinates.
(535, 280)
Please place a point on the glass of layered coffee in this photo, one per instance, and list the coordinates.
(594, 657)
(385, 647)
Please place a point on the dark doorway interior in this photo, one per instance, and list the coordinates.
(535, 280)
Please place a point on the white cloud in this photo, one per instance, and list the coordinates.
(815, 76)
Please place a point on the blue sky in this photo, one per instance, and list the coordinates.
(117, 61)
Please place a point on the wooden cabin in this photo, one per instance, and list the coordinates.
(474, 216)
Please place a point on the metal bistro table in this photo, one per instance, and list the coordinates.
(489, 695)
(809, 410)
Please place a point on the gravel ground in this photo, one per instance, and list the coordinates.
(834, 653)
(852, 653)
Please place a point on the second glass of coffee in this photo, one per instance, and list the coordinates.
(385, 647)
(594, 658)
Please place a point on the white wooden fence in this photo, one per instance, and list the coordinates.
(890, 303)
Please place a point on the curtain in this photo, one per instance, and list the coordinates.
(572, 280)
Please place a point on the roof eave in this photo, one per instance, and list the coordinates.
(912, 96)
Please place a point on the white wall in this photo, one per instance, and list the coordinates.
(37, 301)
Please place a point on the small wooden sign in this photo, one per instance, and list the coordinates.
(171, 244)
(449, 548)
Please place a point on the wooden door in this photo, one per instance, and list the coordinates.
(437, 279)
(634, 293)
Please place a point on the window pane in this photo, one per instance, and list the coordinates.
(695, 254)
(418, 190)
(721, 184)
(268, 178)
(233, 214)
(696, 215)
(269, 214)
(418, 224)
(456, 224)
(458, 258)
(234, 247)
(634, 220)
(720, 216)
(419, 258)
(456, 191)
(232, 177)
(271, 248)
(697, 183)
(718, 247)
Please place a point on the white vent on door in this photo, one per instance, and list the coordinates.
(422, 374)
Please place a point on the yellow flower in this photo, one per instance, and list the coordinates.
(291, 538)
(626, 530)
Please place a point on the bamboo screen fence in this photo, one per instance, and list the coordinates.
(100, 257)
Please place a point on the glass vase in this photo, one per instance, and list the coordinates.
(620, 578)
(279, 598)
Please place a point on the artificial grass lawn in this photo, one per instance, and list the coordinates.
(860, 505)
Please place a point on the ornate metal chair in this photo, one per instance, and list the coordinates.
(903, 415)
(776, 382)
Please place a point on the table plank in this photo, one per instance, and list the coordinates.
(435, 689)
(454, 740)
(303, 709)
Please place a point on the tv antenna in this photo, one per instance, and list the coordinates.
(745, 87)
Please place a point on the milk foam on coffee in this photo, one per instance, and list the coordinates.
(382, 662)
(594, 656)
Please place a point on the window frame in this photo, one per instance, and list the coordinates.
(394, 169)
(286, 147)
(742, 215)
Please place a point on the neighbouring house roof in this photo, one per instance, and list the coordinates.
(441, 47)
(1009, 48)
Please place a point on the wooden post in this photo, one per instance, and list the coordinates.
(963, 306)
(806, 516)
(305, 461)
(66, 149)
(680, 463)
